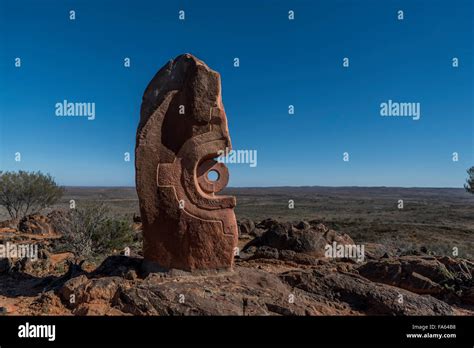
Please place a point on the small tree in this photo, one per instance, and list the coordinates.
(469, 186)
(23, 193)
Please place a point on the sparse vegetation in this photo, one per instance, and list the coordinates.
(23, 193)
(89, 231)
(113, 234)
(469, 186)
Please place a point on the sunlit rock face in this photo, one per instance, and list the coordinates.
(182, 128)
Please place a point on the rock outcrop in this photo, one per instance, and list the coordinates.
(300, 238)
(290, 277)
(253, 288)
(441, 277)
(35, 224)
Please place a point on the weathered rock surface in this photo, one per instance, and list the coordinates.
(266, 280)
(32, 225)
(437, 276)
(37, 233)
(364, 296)
(255, 287)
(182, 127)
(35, 224)
(246, 227)
(302, 238)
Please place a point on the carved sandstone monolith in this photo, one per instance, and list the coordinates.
(182, 127)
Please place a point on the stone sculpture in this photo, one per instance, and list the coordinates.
(182, 128)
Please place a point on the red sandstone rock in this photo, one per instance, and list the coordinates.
(36, 224)
(182, 127)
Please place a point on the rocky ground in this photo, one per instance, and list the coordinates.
(280, 269)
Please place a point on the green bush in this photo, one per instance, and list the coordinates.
(113, 234)
(23, 193)
(89, 230)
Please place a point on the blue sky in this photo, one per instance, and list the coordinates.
(282, 62)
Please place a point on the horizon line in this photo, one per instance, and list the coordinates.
(289, 186)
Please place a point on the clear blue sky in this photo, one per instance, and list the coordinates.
(282, 62)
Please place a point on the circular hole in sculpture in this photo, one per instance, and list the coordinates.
(212, 175)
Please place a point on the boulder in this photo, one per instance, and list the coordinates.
(36, 224)
(303, 225)
(311, 240)
(267, 224)
(418, 274)
(69, 288)
(89, 296)
(246, 227)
